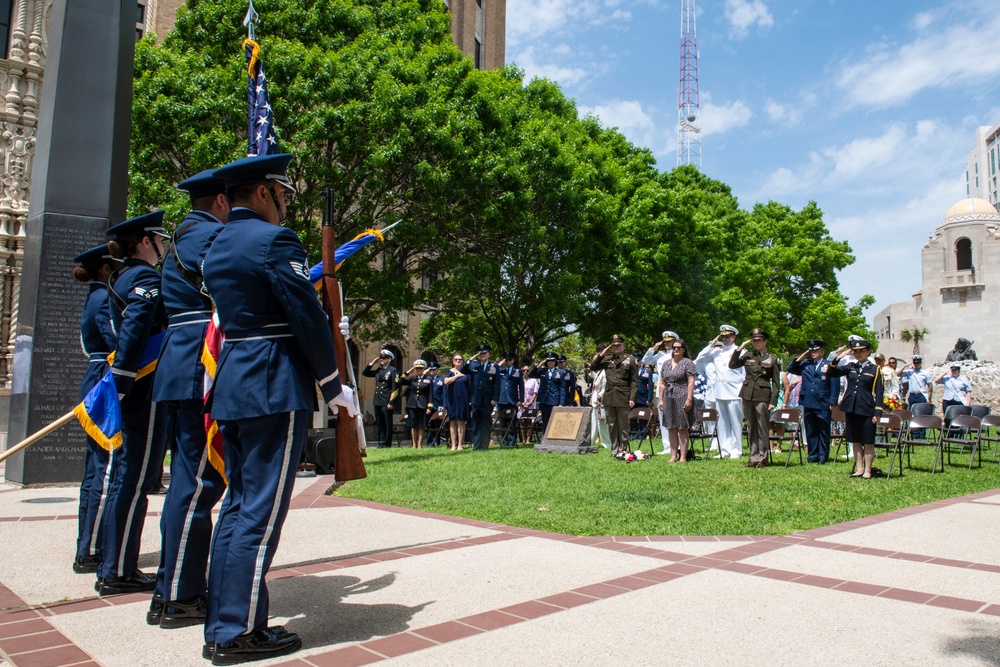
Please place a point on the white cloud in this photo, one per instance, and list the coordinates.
(889, 75)
(529, 20)
(719, 118)
(782, 113)
(743, 14)
(565, 76)
(624, 114)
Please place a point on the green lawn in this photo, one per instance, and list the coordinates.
(596, 495)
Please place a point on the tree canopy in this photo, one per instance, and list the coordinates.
(523, 224)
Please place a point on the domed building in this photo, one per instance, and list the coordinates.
(960, 291)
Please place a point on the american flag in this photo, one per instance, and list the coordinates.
(260, 119)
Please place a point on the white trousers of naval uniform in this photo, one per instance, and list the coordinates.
(730, 427)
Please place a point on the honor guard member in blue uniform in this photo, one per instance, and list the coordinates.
(511, 395)
(386, 390)
(549, 380)
(277, 347)
(485, 393)
(136, 314)
(195, 484)
(419, 387)
(862, 402)
(643, 395)
(819, 393)
(98, 340)
(569, 387)
(437, 399)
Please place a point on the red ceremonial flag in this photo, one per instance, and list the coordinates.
(210, 359)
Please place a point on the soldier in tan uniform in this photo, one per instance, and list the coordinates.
(759, 391)
(621, 382)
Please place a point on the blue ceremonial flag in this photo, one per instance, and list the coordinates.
(261, 139)
(100, 413)
(349, 248)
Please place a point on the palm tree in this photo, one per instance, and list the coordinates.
(914, 335)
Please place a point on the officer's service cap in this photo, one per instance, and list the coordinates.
(433, 365)
(956, 367)
(551, 356)
(853, 337)
(759, 333)
(669, 336)
(562, 357)
(816, 344)
(97, 255)
(508, 355)
(860, 343)
(150, 223)
(257, 169)
(617, 338)
(420, 363)
(387, 353)
(728, 330)
(916, 357)
(484, 348)
(203, 184)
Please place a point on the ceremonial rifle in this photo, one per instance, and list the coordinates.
(347, 460)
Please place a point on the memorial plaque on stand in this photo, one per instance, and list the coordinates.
(79, 185)
(568, 432)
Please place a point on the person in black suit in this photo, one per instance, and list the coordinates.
(862, 402)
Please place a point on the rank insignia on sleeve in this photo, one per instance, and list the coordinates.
(146, 293)
(300, 269)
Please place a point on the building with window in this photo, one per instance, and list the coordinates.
(959, 292)
(982, 164)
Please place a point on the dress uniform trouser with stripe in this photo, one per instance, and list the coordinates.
(186, 524)
(730, 426)
(262, 456)
(93, 497)
(757, 416)
(134, 470)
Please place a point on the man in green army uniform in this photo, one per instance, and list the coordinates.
(621, 382)
(759, 392)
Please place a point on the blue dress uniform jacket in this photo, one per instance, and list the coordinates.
(485, 392)
(195, 485)
(511, 386)
(820, 389)
(136, 464)
(270, 315)
(549, 380)
(98, 340)
(180, 373)
(644, 393)
(864, 393)
(568, 391)
(437, 394)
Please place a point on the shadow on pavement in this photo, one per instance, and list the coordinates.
(318, 614)
(981, 644)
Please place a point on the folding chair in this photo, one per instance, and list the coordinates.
(527, 422)
(962, 427)
(950, 414)
(705, 415)
(923, 423)
(646, 418)
(399, 430)
(980, 410)
(441, 417)
(786, 426)
(838, 422)
(887, 425)
(989, 431)
(922, 409)
(499, 432)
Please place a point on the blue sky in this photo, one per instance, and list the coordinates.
(867, 108)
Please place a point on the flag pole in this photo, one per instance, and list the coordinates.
(250, 20)
(38, 435)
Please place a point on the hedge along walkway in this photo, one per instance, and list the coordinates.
(366, 583)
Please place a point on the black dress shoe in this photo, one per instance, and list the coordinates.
(86, 564)
(137, 582)
(155, 612)
(208, 650)
(257, 645)
(182, 613)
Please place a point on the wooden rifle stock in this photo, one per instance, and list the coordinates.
(347, 459)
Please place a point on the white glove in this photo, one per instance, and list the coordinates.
(345, 327)
(345, 399)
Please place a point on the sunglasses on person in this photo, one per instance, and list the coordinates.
(676, 347)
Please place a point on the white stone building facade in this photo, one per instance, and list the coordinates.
(960, 291)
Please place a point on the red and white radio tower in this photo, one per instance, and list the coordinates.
(688, 104)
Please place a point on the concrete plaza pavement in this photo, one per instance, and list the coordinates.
(364, 583)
